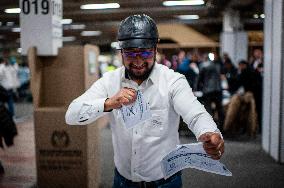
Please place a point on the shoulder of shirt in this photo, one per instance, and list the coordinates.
(167, 74)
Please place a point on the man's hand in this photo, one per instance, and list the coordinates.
(213, 144)
(124, 97)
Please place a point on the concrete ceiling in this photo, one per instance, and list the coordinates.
(107, 21)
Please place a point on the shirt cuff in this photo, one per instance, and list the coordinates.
(91, 110)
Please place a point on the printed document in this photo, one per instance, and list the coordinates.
(136, 113)
(191, 156)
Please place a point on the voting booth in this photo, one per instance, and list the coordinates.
(66, 156)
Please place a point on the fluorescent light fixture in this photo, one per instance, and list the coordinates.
(77, 26)
(90, 33)
(211, 56)
(115, 45)
(12, 10)
(16, 29)
(19, 50)
(68, 39)
(179, 3)
(100, 6)
(10, 23)
(262, 16)
(255, 16)
(66, 21)
(188, 17)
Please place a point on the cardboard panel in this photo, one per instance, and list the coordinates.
(62, 77)
(67, 156)
(35, 66)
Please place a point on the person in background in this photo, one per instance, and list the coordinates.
(174, 62)
(251, 80)
(192, 73)
(183, 63)
(209, 82)
(138, 151)
(24, 78)
(230, 73)
(163, 60)
(257, 59)
(9, 80)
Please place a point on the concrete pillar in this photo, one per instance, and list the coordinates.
(234, 41)
(273, 96)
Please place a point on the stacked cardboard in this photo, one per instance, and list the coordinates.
(66, 156)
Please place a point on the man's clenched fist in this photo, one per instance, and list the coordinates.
(213, 144)
(124, 97)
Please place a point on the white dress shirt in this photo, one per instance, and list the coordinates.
(138, 151)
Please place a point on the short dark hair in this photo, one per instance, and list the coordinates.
(243, 62)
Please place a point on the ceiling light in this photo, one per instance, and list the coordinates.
(90, 33)
(16, 29)
(188, 2)
(115, 45)
(78, 26)
(188, 17)
(68, 39)
(100, 6)
(10, 23)
(262, 16)
(255, 16)
(66, 21)
(0, 23)
(13, 10)
(19, 50)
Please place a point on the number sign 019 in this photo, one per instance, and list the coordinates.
(41, 26)
(41, 7)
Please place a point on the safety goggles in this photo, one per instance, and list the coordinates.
(142, 54)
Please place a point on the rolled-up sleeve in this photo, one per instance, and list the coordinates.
(199, 121)
(89, 106)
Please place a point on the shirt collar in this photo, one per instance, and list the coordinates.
(153, 77)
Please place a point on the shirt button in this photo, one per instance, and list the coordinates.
(135, 132)
(135, 152)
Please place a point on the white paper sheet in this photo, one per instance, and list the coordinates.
(191, 156)
(135, 113)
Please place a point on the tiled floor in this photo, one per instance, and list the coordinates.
(19, 160)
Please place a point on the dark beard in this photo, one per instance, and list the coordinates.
(139, 77)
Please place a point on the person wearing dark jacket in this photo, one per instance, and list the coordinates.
(209, 82)
(251, 80)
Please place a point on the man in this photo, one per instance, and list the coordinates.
(209, 82)
(9, 80)
(138, 151)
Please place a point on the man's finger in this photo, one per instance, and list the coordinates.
(210, 144)
(130, 94)
(205, 137)
(215, 139)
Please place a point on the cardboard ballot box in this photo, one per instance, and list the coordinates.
(66, 156)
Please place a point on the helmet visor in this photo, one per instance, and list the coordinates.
(138, 43)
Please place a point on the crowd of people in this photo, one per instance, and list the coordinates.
(215, 78)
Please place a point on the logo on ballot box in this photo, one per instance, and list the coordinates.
(60, 139)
